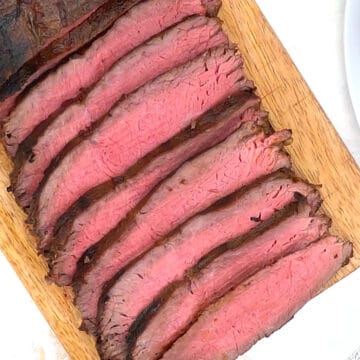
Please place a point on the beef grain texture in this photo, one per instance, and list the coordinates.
(140, 123)
(168, 262)
(105, 213)
(218, 277)
(69, 80)
(262, 304)
(58, 49)
(172, 48)
(220, 171)
(28, 26)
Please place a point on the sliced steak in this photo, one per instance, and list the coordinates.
(173, 48)
(169, 261)
(67, 82)
(238, 161)
(143, 121)
(262, 304)
(58, 49)
(28, 26)
(83, 231)
(214, 280)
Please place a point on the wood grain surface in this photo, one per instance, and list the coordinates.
(317, 151)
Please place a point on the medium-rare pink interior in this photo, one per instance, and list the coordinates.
(97, 21)
(106, 212)
(172, 48)
(146, 279)
(140, 123)
(219, 276)
(69, 80)
(237, 162)
(261, 304)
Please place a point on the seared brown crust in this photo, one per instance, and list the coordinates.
(97, 22)
(27, 26)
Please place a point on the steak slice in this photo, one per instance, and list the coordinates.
(169, 261)
(262, 304)
(213, 281)
(27, 27)
(238, 161)
(69, 80)
(57, 50)
(85, 229)
(173, 48)
(143, 121)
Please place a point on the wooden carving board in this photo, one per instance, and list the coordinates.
(318, 155)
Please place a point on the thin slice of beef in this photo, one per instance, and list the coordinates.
(28, 26)
(169, 261)
(81, 232)
(237, 162)
(49, 56)
(262, 304)
(172, 48)
(215, 279)
(69, 80)
(140, 123)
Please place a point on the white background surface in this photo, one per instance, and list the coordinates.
(312, 32)
(352, 51)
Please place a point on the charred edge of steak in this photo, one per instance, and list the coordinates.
(210, 119)
(97, 23)
(142, 320)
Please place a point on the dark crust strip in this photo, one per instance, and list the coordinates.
(141, 321)
(246, 100)
(97, 23)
